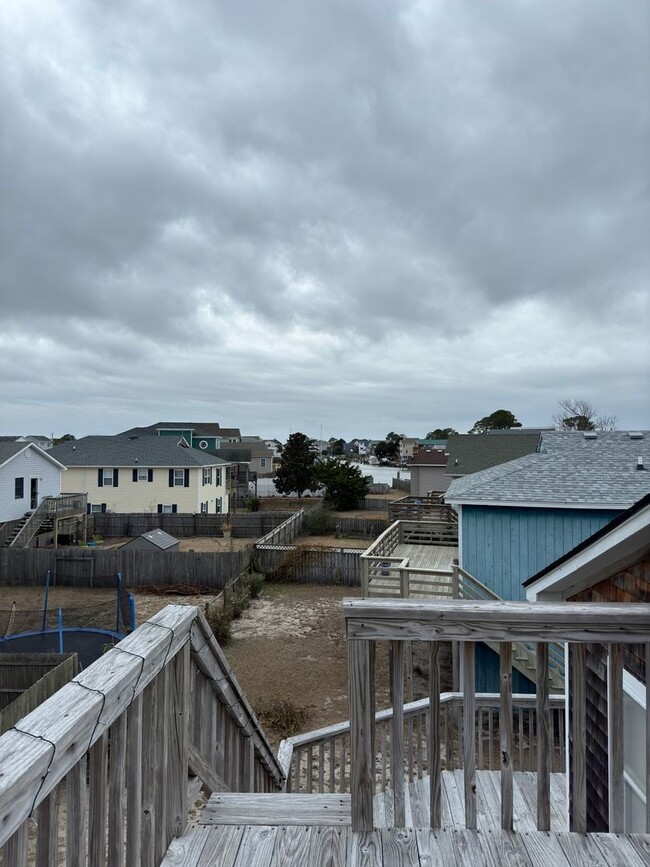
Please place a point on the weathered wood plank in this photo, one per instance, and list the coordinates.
(178, 743)
(276, 808)
(97, 800)
(399, 847)
(362, 719)
(544, 741)
(161, 722)
(75, 788)
(149, 757)
(415, 620)
(134, 780)
(47, 832)
(329, 847)
(256, 847)
(197, 765)
(505, 735)
(292, 847)
(469, 734)
(618, 851)
(616, 786)
(397, 729)
(433, 745)
(14, 851)
(364, 849)
(117, 792)
(578, 819)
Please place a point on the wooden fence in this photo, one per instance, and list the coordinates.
(303, 565)
(286, 531)
(27, 679)
(97, 567)
(183, 526)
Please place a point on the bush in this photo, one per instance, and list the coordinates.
(255, 584)
(254, 504)
(284, 717)
(219, 619)
(239, 604)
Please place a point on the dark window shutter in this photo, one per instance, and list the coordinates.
(150, 475)
(88, 508)
(171, 478)
(174, 509)
(100, 478)
(160, 508)
(135, 475)
(116, 476)
(187, 478)
(103, 508)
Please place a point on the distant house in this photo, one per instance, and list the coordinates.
(27, 475)
(406, 446)
(42, 442)
(206, 436)
(257, 456)
(154, 540)
(428, 472)
(144, 474)
(275, 446)
(612, 565)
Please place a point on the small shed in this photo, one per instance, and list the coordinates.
(154, 540)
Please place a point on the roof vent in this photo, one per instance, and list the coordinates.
(590, 435)
(639, 463)
(636, 435)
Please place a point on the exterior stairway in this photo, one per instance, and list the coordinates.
(29, 525)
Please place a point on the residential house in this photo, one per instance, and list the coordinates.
(517, 517)
(257, 456)
(27, 475)
(144, 474)
(428, 472)
(471, 453)
(276, 448)
(42, 442)
(406, 446)
(612, 565)
(206, 436)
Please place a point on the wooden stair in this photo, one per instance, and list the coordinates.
(276, 808)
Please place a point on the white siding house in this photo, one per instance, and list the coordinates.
(27, 475)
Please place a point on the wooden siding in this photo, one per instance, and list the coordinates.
(630, 585)
(502, 546)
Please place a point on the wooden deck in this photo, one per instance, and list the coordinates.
(280, 830)
(438, 558)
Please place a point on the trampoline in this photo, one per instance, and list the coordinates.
(85, 630)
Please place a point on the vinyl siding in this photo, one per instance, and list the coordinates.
(29, 464)
(425, 479)
(130, 496)
(503, 546)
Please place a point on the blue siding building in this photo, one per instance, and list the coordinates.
(520, 516)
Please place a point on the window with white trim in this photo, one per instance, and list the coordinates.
(179, 478)
(218, 478)
(143, 474)
(218, 506)
(207, 475)
(107, 477)
(204, 508)
(168, 509)
(262, 463)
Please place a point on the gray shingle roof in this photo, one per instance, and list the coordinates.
(144, 451)
(9, 449)
(199, 427)
(470, 453)
(569, 470)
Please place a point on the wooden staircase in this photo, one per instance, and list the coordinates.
(29, 525)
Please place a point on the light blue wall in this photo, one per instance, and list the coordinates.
(503, 546)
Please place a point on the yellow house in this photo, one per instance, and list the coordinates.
(144, 474)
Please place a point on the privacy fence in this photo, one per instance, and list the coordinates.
(244, 524)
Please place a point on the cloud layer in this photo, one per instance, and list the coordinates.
(359, 215)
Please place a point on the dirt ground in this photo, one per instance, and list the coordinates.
(331, 542)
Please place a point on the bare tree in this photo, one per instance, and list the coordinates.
(579, 414)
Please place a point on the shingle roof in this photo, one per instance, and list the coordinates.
(470, 453)
(8, 450)
(124, 451)
(160, 539)
(569, 469)
(199, 427)
(429, 458)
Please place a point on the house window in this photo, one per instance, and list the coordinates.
(207, 475)
(204, 508)
(203, 444)
(96, 508)
(262, 463)
(218, 507)
(218, 478)
(143, 474)
(107, 477)
(179, 477)
(19, 488)
(167, 509)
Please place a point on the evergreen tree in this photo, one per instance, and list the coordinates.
(297, 472)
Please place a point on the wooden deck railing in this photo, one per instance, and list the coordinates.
(285, 532)
(319, 761)
(127, 744)
(429, 508)
(504, 623)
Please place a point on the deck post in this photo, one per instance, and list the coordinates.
(578, 765)
(397, 731)
(362, 717)
(469, 743)
(544, 740)
(615, 739)
(433, 752)
(505, 730)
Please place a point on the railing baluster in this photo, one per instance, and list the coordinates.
(75, 793)
(615, 739)
(433, 750)
(469, 723)
(578, 817)
(362, 716)
(116, 792)
(15, 849)
(397, 731)
(543, 740)
(134, 781)
(97, 801)
(332, 758)
(505, 734)
(46, 837)
(321, 768)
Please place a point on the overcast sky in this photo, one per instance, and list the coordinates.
(348, 215)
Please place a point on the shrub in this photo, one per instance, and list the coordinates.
(318, 522)
(239, 604)
(284, 717)
(254, 504)
(219, 619)
(255, 584)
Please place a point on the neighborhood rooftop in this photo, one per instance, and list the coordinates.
(124, 451)
(199, 427)
(592, 468)
(469, 453)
